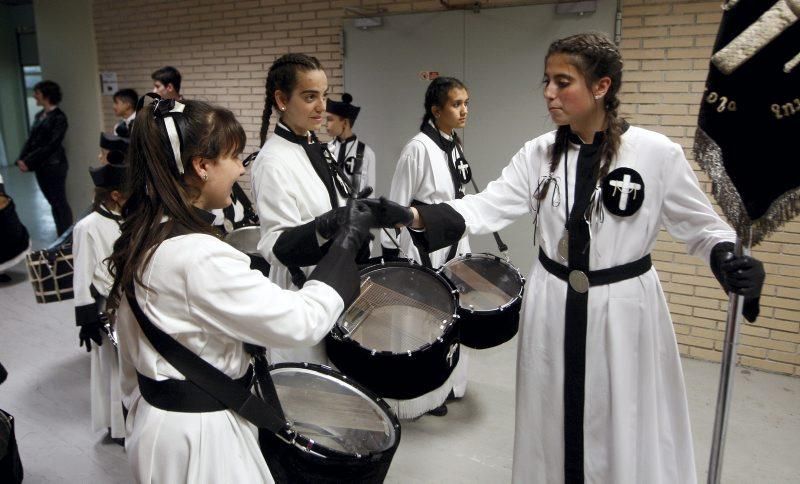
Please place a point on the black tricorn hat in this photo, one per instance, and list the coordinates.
(112, 142)
(343, 108)
(108, 176)
(112, 174)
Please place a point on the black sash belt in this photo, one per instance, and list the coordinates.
(575, 322)
(600, 277)
(183, 395)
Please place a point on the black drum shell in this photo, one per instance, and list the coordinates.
(290, 464)
(397, 375)
(486, 329)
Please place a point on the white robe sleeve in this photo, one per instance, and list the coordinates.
(687, 213)
(503, 201)
(223, 293)
(406, 181)
(276, 206)
(86, 255)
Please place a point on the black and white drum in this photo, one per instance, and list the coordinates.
(246, 239)
(399, 338)
(490, 296)
(340, 431)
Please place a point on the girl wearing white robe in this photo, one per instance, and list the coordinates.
(294, 183)
(427, 174)
(201, 292)
(93, 240)
(632, 425)
(361, 176)
(354, 157)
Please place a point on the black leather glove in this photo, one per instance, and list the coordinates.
(91, 332)
(328, 223)
(742, 275)
(354, 225)
(389, 214)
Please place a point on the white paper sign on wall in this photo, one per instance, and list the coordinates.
(108, 83)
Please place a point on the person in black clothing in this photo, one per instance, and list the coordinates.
(15, 242)
(44, 153)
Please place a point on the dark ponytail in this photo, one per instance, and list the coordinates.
(282, 76)
(595, 56)
(437, 95)
(156, 191)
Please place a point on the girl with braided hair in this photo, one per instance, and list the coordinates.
(600, 391)
(299, 190)
(428, 172)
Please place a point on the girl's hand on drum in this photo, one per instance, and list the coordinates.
(389, 214)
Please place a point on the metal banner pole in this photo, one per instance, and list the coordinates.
(726, 378)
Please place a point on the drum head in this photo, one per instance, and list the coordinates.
(484, 282)
(401, 308)
(334, 413)
(245, 239)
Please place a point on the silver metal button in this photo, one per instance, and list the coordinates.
(579, 281)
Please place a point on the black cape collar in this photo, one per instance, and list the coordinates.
(180, 229)
(445, 144)
(285, 133)
(206, 216)
(105, 212)
(345, 141)
(599, 136)
(314, 152)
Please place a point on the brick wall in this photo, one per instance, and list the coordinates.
(666, 46)
(224, 48)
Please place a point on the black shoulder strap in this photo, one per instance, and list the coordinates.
(359, 155)
(214, 382)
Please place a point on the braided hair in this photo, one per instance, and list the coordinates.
(436, 95)
(282, 76)
(595, 56)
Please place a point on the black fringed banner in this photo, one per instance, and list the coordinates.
(749, 122)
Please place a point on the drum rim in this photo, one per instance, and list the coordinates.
(247, 228)
(336, 331)
(375, 398)
(487, 255)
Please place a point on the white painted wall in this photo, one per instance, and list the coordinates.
(12, 95)
(68, 56)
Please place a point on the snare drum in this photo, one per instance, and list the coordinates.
(399, 337)
(340, 431)
(490, 297)
(246, 239)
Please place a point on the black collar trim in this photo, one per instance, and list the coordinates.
(287, 134)
(206, 216)
(105, 212)
(599, 136)
(348, 140)
(436, 136)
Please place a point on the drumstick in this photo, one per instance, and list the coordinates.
(400, 249)
(479, 283)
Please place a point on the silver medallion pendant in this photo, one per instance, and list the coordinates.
(228, 225)
(579, 281)
(563, 247)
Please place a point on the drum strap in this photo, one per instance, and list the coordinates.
(216, 384)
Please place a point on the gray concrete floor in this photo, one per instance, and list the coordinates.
(48, 393)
